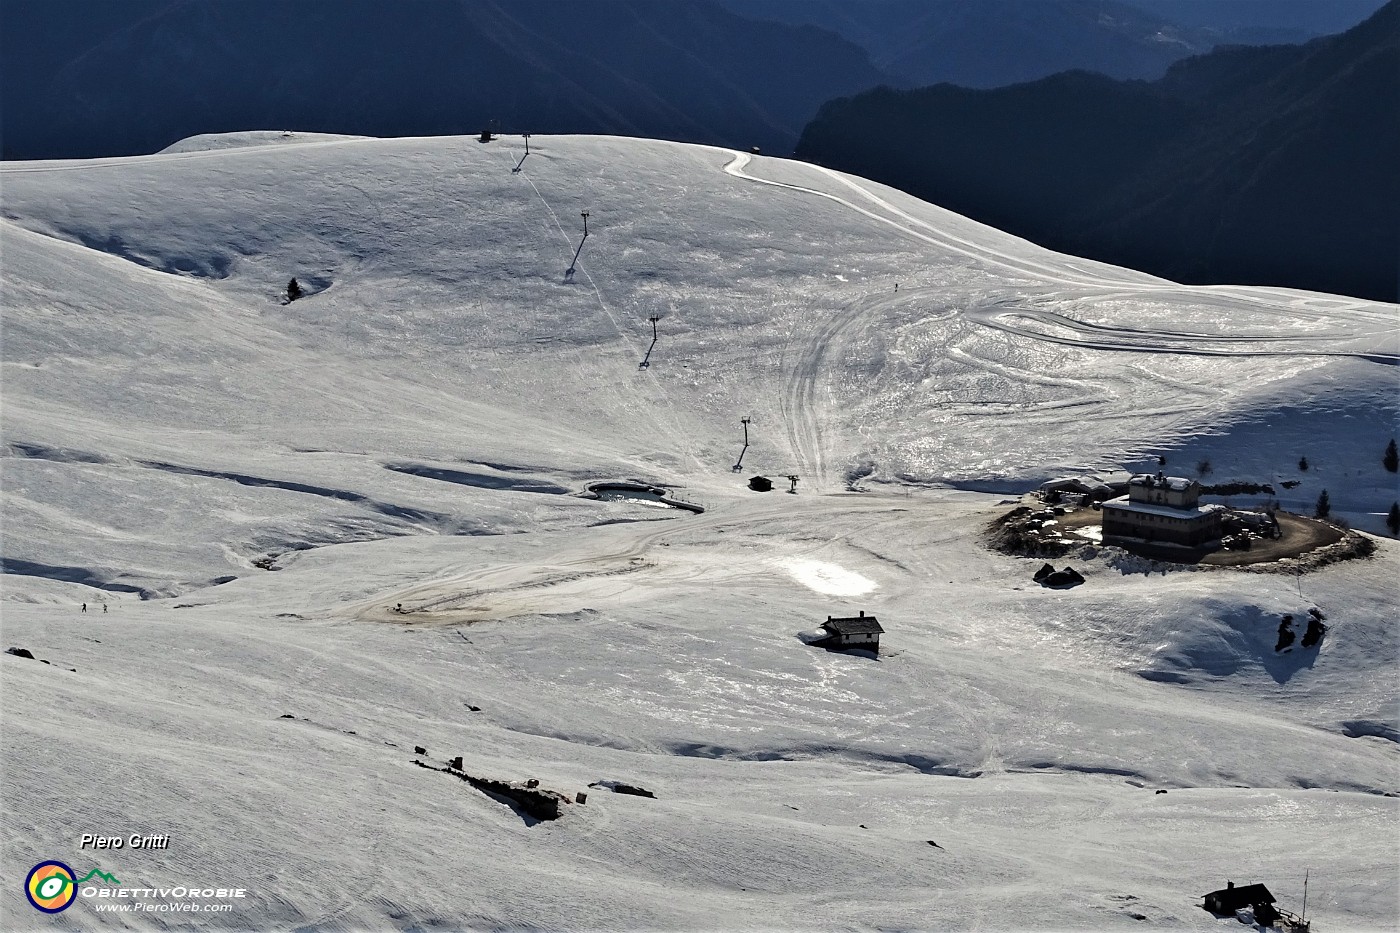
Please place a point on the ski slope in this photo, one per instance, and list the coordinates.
(361, 510)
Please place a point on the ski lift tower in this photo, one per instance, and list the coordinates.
(745, 421)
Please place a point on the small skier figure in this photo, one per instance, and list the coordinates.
(84, 607)
(104, 607)
(896, 286)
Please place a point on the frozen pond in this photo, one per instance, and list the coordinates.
(653, 496)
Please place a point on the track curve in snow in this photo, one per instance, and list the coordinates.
(1052, 327)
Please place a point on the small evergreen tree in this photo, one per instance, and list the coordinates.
(1203, 467)
(1162, 458)
(1303, 464)
(293, 290)
(1324, 505)
(1392, 521)
(1392, 457)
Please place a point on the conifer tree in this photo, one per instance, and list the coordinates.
(1392, 521)
(1324, 505)
(1392, 457)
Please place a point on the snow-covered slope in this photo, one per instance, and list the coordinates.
(411, 431)
(213, 141)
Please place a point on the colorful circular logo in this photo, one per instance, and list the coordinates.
(50, 887)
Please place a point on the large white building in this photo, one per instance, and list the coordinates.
(1162, 509)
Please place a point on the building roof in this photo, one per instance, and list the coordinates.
(1176, 483)
(1170, 511)
(853, 625)
(1071, 483)
(1243, 895)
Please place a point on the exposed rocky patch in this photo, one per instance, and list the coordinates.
(531, 799)
(1048, 576)
(1237, 489)
(1027, 532)
(617, 787)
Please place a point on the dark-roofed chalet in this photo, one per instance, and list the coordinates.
(860, 631)
(1230, 898)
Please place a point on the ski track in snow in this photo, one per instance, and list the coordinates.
(1092, 336)
(1134, 340)
(1307, 327)
(449, 598)
(803, 410)
(741, 161)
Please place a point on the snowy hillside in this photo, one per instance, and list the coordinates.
(249, 487)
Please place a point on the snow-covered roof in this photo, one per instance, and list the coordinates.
(1177, 483)
(1069, 482)
(1153, 508)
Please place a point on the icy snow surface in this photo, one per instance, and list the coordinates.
(360, 510)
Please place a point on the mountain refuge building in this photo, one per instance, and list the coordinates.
(1162, 509)
(1230, 899)
(860, 631)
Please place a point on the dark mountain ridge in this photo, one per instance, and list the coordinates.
(993, 43)
(83, 78)
(1267, 165)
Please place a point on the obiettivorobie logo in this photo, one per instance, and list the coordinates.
(51, 886)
